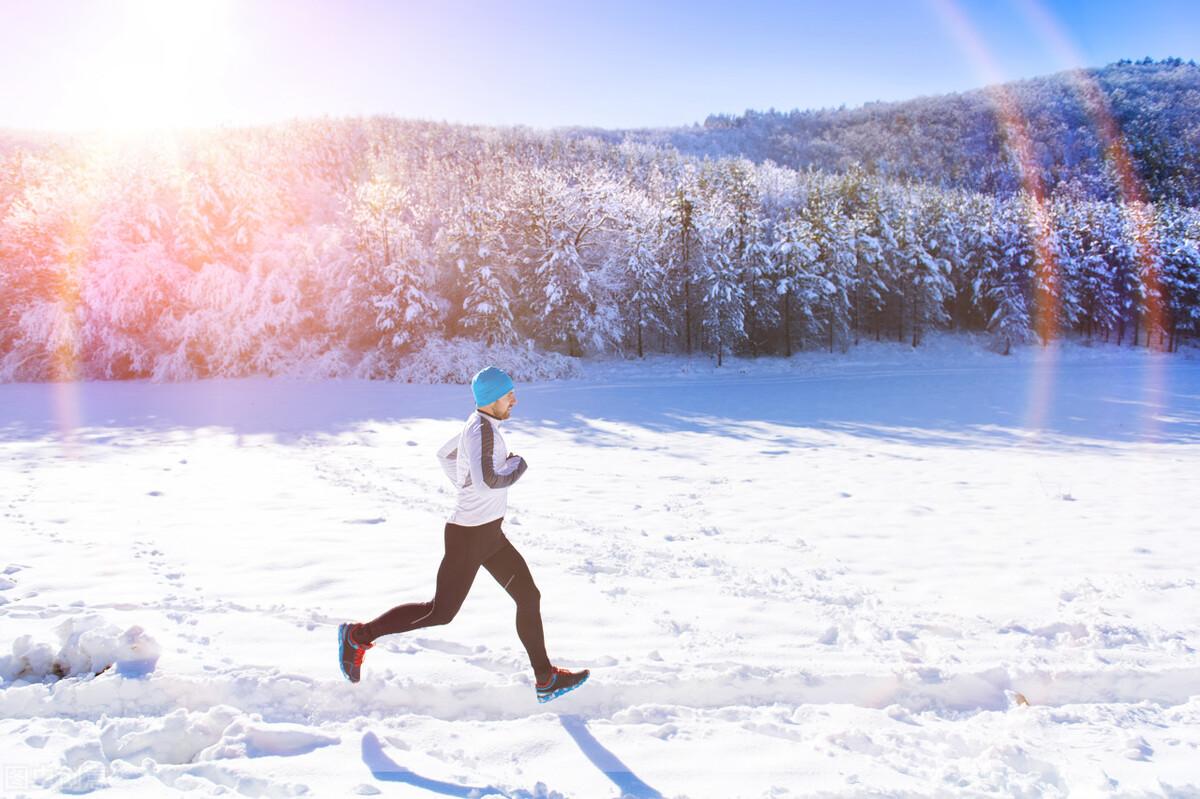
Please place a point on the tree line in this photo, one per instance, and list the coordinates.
(342, 247)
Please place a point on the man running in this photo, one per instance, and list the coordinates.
(481, 467)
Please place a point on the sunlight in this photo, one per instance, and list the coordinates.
(166, 67)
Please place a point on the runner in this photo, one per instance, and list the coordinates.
(477, 463)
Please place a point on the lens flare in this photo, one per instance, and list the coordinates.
(1136, 210)
(1134, 199)
(1015, 132)
(65, 364)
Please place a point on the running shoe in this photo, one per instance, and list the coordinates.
(561, 681)
(351, 653)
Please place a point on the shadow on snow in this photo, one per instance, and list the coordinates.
(1068, 406)
(631, 786)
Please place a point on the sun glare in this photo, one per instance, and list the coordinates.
(166, 66)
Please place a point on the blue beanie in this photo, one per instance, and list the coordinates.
(489, 385)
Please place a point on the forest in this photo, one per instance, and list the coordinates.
(1065, 206)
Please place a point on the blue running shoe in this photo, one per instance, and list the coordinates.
(350, 653)
(561, 681)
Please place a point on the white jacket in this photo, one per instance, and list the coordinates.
(477, 462)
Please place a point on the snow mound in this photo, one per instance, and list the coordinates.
(457, 360)
(178, 737)
(87, 646)
(251, 737)
(183, 749)
(219, 733)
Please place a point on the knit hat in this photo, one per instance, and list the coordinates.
(490, 384)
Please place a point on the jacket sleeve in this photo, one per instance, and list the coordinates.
(480, 442)
(448, 458)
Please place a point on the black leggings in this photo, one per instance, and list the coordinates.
(468, 548)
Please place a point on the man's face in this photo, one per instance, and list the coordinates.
(505, 404)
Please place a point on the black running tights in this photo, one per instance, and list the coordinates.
(468, 548)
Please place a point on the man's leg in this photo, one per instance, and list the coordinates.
(459, 565)
(511, 571)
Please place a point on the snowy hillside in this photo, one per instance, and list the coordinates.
(833, 575)
(950, 139)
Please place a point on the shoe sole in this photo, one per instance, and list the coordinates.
(543, 698)
(341, 649)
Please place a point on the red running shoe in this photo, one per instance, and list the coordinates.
(559, 683)
(350, 653)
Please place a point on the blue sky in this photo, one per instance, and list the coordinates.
(536, 62)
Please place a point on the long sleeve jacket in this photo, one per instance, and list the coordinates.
(477, 462)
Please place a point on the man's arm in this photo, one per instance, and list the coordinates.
(480, 447)
(448, 458)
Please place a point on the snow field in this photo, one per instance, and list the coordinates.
(815, 578)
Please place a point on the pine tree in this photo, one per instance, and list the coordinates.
(739, 192)
(788, 260)
(404, 311)
(1005, 276)
(396, 312)
(979, 250)
(559, 219)
(1180, 242)
(1047, 279)
(833, 264)
(874, 248)
(473, 251)
(684, 235)
(1088, 251)
(44, 248)
(940, 224)
(1147, 252)
(639, 257)
(722, 285)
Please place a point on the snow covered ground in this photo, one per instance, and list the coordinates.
(891, 572)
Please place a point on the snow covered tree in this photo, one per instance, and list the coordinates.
(978, 250)
(487, 311)
(683, 250)
(1090, 246)
(1145, 301)
(940, 225)
(392, 286)
(134, 281)
(472, 247)
(1180, 242)
(224, 203)
(1047, 280)
(736, 185)
(405, 312)
(789, 259)
(557, 219)
(874, 249)
(1004, 277)
(44, 248)
(833, 264)
(722, 286)
(645, 230)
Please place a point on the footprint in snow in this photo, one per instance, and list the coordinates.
(1138, 749)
